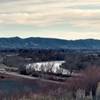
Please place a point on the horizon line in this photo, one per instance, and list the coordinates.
(7, 37)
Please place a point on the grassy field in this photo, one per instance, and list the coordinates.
(57, 94)
(74, 88)
(30, 96)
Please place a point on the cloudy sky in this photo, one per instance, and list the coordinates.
(67, 19)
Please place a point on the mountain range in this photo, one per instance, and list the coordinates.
(47, 43)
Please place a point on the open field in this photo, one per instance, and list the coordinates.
(24, 87)
(76, 77)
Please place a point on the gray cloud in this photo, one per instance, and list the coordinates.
(43, 13)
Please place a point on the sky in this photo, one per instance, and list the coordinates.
(65, 19)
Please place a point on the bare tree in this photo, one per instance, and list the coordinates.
(49, 67)
(59, 70)
(92, 78)
(42, 68)
(31, 68)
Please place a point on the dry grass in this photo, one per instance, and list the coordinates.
(65, 92)
(54, 95)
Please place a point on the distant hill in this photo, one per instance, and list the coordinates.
(47, 43)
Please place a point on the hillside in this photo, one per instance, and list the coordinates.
(47, 43)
